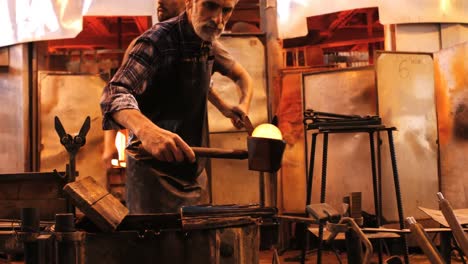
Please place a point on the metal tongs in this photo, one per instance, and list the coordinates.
(72, 143)
(315, 119)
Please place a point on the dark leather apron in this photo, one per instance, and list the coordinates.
(158, 187)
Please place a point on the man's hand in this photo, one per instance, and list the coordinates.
(165, 145)
(236, 114)
(160, 143)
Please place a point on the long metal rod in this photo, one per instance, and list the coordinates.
(375, 185)
(398, 192)
(457, 230)
(323, 193)
(310, 178)
(30, 227)
(428, 248)
(311, 169)
(221, 153)
(262, 188)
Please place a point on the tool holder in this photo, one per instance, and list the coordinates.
(72, 144)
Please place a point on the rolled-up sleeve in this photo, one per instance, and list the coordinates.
(119, 93)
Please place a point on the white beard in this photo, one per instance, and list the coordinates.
(198, 26)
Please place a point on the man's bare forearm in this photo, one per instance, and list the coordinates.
(217, 101)
(133, 120)
(164, 145)
(244, 81)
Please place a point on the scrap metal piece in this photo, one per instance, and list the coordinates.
(457, 230)
(323, 212)
(424, 242)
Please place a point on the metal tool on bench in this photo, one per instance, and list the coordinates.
(314, 120)
(72, 144)
(424, 242)
(335, 223)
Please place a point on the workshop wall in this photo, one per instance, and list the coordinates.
(451, 85)
(14, 111)
(405, 84)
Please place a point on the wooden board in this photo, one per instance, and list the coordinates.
(451, 84)
(293, 167)
(14, 108)
(405, 83)
(95, 202)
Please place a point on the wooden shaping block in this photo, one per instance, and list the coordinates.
(96, 203)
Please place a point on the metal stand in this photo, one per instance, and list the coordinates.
(29, 233)
(377, 189)
(72, 145)
(69, 242)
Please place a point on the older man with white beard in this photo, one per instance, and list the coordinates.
(167, 9)
(167, 116)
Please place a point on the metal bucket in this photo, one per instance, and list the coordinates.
(265, 154)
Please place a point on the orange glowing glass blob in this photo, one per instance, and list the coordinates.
(267, 131)
(120, 144)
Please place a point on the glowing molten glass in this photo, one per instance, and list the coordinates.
(267, 131)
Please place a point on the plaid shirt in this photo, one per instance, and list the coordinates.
(153, 54)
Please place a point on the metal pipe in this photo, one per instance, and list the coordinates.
(69, 243)
(453, 222)
(367, 244)
(305, 240)
(358, 232)
(421, 237)
(398, 192)
(29, 233)
(221, 153)
(375, 185)
(323, 193)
